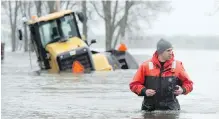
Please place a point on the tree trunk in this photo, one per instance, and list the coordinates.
(84, 10)
(29, 9)
(13, 38)
(57, 5)
(38, 7)
(13, 23)
(25, 27)
(25, 38)
(108, 36)
(67, 4)
(29, 13)
(108, 24)
(51, 5)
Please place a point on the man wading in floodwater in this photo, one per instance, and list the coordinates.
(161, 79)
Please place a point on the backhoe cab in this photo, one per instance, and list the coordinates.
(59, 46)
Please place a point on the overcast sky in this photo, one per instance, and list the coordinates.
(192, 17)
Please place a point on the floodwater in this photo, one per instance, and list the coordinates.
(27, 94)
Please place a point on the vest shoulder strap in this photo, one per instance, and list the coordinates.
(150, 64)
(174, 64)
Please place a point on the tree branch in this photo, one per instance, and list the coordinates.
(117, 37)
(95, 7)
(45, 6)
(73, 4)
(157, 6)
(107, 11)
(67, 4)
(115, 13)
(118, 23)
(121, 9)
(62, 3)
(10, 13)
(16, 9)
(5, 5)
(129, 5)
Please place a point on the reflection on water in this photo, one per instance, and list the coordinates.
(161, 115)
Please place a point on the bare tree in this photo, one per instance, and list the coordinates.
(145, 10)
(11, 10)
(109, 16)
(117, 17)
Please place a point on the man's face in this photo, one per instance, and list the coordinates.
(167, 54)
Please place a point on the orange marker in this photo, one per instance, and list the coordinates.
(77, 67)
(122, 47)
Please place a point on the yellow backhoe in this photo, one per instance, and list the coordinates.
(59, 46)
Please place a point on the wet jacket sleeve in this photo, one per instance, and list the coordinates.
(187, 84)
(137, 84)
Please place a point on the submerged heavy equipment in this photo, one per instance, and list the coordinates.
(59, 46)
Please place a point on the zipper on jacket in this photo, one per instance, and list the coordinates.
(160, 84)
(158, 96)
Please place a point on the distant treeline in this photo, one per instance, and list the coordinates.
(193, 42)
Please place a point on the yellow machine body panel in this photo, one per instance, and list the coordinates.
(50, 16)
(100, 60)
(101, 63)
(59, 47)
